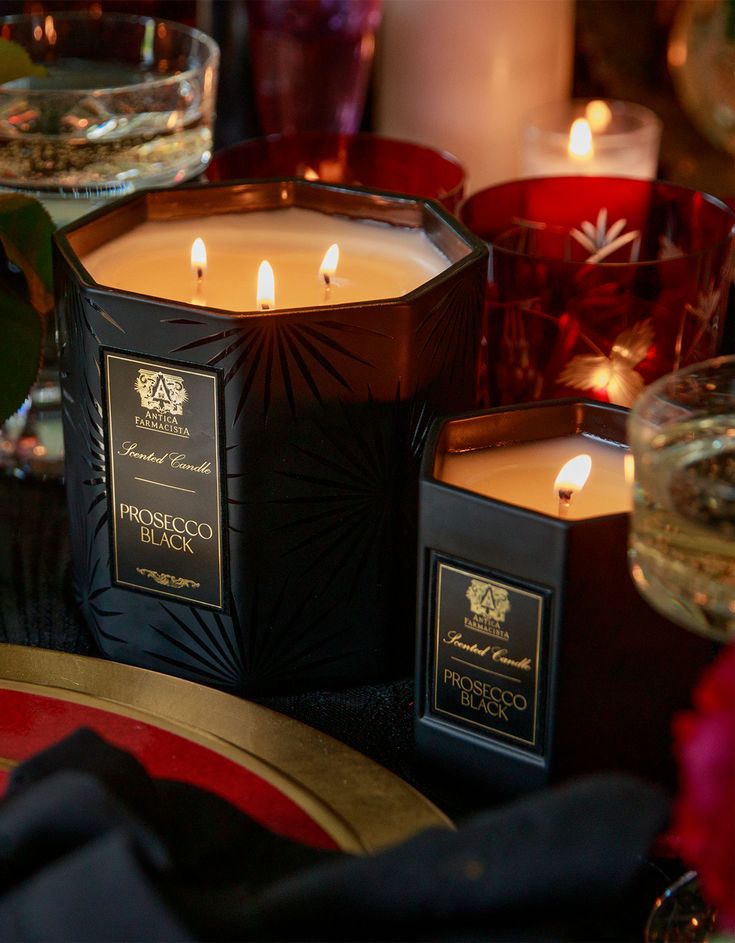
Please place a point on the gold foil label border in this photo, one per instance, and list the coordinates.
(541, 596)
(109, 354)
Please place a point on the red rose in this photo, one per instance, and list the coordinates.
(703, 826)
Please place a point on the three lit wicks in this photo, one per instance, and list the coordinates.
(266, 284)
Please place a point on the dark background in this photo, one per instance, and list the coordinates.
(620, 52)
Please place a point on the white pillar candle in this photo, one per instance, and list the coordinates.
(596, 138)
(525, 474)
(376, 260)
(461, 75)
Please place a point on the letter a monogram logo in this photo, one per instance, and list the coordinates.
(488, 600)
(161, 392)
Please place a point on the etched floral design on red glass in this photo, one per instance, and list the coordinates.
(599, 285)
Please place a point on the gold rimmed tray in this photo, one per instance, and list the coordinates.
(290, 777)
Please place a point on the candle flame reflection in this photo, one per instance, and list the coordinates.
(629, 469)
(598, 114)
(580, 140)
(266, 295)
(573, 476)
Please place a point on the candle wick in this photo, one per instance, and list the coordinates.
(265, 306)
(327, 286)
(198, 298)
(565, 500)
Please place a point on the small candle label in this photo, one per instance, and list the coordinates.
(487, 657)
(165, 488)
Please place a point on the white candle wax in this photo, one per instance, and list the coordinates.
(524, 475)
(624, 142)
(376, 260)
(461, 76)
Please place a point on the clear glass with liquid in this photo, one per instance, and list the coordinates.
(126, 102)
(682, 541)
(122, 102)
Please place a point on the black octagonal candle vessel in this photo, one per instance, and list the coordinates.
(242, 457)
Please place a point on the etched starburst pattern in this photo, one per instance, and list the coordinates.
(614, 375)
(197, 644)
(708, 302)
(667, 249)
(84, 429)
(274, 354)
(353, 503)
(449, 326)
(333, 571)
(602, 242)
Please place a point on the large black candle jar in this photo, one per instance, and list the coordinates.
(242, 461)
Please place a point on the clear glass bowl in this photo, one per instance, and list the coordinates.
(127, 102)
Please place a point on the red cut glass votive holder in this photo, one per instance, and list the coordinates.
(368, 160)
(599, 285)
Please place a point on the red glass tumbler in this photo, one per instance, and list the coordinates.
(599, 285)
(367, 160)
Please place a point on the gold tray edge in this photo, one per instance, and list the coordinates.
(376, 808)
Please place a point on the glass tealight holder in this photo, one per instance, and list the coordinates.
(594, 138)
(599, 285)
(682, 541)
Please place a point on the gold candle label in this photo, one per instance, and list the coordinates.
(487, 666)
(164, 478)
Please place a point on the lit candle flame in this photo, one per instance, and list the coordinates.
(198, 258)
(572, 478)
(266, 297)
(580, 140)
(50, 30)
(329, 263)
(598, 115)
(310, 174)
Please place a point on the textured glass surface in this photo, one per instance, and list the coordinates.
(125, 102)
(599, 285)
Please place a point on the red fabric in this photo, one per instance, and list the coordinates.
(703, 826)
(31, 722)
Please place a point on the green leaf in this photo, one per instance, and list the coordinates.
(25, 232)
(15, 63)
(21, 334)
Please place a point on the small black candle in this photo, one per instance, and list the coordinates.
(537, 658)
